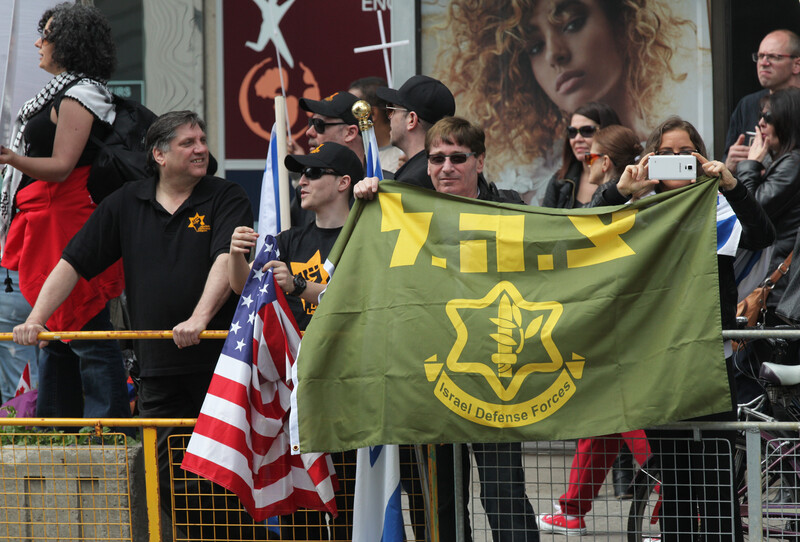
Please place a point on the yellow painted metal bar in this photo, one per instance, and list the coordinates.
(95, 335)
(433, 488)
(93, 422)
(150, 450)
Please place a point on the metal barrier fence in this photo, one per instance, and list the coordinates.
(93, 486)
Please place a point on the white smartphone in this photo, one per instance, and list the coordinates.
(673, 168)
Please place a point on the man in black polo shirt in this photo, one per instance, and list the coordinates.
(172, 232)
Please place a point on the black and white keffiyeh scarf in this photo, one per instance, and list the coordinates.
(99, 103)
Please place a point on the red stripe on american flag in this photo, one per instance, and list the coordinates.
(244, 422)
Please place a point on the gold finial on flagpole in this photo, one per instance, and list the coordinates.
(361, 110)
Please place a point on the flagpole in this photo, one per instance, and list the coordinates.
(283, 173)
(361, 111)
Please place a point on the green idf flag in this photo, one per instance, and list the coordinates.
(458, 320)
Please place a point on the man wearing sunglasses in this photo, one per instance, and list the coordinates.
(414, 108)
(778, 67)
(455, 152)
(326, 182)
(332, 120)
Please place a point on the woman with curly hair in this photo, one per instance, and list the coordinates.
(534, 60)
(45, 201)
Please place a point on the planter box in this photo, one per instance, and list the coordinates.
(72, 492)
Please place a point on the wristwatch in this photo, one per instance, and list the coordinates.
(299, 285)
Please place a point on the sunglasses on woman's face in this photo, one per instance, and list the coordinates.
(585, 131)
(314, 173)
(767, 116)
(591, 157)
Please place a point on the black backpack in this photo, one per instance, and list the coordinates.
(122, 155)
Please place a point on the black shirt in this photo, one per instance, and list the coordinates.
(40, 136)
(166, 259)
(415, 171)
(304, 249)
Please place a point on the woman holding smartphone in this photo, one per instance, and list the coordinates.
(696, 483)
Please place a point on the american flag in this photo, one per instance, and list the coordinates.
(241, 439)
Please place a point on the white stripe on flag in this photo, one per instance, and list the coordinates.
(269, 216)
(373, 158)
(377, 514)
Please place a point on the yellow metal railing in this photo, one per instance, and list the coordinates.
(81, 486)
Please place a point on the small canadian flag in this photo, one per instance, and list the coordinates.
(24, 381)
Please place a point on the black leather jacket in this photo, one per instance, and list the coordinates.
(777, 189)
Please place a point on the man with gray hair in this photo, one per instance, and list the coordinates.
(172, 232)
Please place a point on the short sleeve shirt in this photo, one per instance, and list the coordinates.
(166, 259)
(304, 249)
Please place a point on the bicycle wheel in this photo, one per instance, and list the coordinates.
(643, 518)
(780, 487)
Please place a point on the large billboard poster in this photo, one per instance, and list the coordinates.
(520, 67)
(315, 40)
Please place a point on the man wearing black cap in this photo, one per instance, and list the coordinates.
(328, 174)
(417, 105)
(332, 120)
(326, 183)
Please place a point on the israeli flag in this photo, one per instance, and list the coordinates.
(269, 223)
(729, 230)
(377, 513)
(269, 212)
(373, 159)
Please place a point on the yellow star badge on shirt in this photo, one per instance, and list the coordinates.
(197, 223)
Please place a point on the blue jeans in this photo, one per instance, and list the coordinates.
(83, 379)
(13, 357)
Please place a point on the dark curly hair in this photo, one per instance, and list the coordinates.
(484, 59)
(81, 38)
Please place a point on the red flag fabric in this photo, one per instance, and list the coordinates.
(241, 439)
(24, 384)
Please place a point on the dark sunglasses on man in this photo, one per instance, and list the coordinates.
(314, 173)
(585, 131)
(319, 124)
(455, 158)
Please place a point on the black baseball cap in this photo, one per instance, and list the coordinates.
(338, 105)
(328, 155)
(426, 96)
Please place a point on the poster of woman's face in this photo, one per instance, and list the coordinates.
(521, 67)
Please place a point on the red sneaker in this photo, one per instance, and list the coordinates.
(559, 523)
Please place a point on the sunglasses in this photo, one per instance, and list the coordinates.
(455, 158)
(591, 157)
(585, 131)
(319, 124)
(390, 109)
(767, 116)
(314, 173)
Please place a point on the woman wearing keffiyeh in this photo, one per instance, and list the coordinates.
(45, 201)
